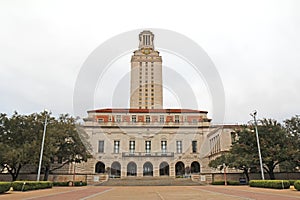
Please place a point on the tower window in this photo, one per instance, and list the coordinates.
(118, 118)
(116, 146)
(176, 118)
(161, 119)
(194, 146)
(179, 146)
(101, 146)
(148, 119)
(131, 146)
(148, 146)
(163, 146)
(133, 118)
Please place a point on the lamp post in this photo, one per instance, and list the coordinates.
(258, 145)
(42, 149)
(225, 177)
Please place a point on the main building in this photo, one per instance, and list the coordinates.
(146, 139)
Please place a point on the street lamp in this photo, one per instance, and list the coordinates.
(42, 149)
(225, 177)
(258, 145)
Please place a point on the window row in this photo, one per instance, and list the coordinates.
(148, 118)
(116, 148)
(146, 63)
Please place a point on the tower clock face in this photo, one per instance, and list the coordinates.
(146, 51)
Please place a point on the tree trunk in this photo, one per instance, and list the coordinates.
(46, 175)
(272, 175)
(14, 172)
(270, 170)
(246, 174)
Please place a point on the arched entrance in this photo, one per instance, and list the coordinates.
(148, 169)
(179, 168)
(131, 169)
(195, 167)
(100, 167)
(115, 171)
(164, 169)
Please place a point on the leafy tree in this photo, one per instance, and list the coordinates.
(292, 126)
(16, 143)
(276, 148)
(62, 145)
(21, 137)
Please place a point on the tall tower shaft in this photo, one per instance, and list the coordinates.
(146, 90)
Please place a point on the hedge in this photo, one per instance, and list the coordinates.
(297, 185)
(292, 182)
(4, 186)
(69, 183)
(228, 183)
(31, 185)
(276, 184)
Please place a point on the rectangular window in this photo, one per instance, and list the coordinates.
(161, 119)
(194, 146)
(179, 146)
(176, 118)
(163, 146)
(133, 118)
(100, 120)
(101, 146)
(131, 146)
(148, 146)
(148, 119)
(116, 146)
(118, 118)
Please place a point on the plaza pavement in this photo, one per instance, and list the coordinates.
(154, 193)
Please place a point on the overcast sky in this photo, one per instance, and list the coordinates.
(254, 45)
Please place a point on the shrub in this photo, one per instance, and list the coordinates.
(69, 183)
(61, 184)
(80, 183)
(292, 182)
(276, 184)
(31, 185)
(297, 185)
(4, 186)
(228, 183)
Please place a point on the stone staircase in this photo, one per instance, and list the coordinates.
(149, 181)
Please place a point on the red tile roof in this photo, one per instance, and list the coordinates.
(133, 110)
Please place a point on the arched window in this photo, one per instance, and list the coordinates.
(195, 167)
(164, 169)
(131, 169)
(115, 170)
(148, 169)
(179, 168)
(100, 167)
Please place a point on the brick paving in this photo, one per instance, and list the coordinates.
(154, 193)
(254, 193)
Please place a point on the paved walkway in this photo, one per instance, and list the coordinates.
(154, 193)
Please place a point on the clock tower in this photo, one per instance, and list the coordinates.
(146, 75)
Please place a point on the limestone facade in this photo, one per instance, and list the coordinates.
(156, 142)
